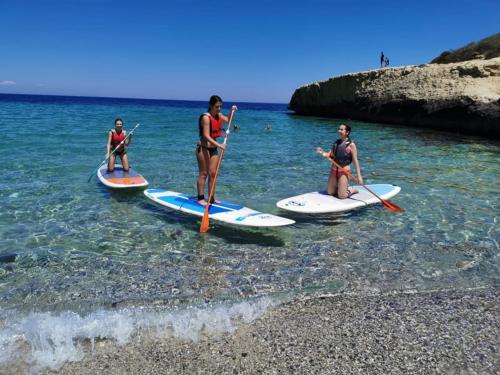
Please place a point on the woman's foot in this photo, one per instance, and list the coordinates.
(352, 191)
(201, 200)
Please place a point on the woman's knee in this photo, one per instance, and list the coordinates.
(343, 191)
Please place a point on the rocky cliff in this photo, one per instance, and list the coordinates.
(461, 96)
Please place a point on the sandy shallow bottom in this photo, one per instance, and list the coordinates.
(431, 332)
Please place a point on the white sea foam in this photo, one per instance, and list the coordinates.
(48, 340)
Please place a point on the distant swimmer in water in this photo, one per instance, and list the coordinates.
(209, 128)
(269, 127)
(115, 138)
(344, 152)
(236, 127)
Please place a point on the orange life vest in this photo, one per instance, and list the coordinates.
(215, 126)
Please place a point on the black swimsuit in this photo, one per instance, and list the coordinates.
(211, 150)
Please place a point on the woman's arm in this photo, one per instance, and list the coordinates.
(323, 153)
(108, 145)
(225, 118)
(354, 152)
(129, 139)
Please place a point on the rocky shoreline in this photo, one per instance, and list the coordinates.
(460, 97)
(410, 333)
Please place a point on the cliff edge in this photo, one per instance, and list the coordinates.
(462, 96)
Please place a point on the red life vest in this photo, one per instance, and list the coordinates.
(215, 126)
(117, 138)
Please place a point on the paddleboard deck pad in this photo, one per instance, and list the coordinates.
(119, 179)
(320, 202)
(221, 211)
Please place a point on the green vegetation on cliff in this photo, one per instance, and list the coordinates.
(486, 48)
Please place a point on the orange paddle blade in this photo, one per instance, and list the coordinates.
(391, 206)
(205, 221)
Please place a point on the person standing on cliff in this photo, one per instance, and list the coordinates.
(382, 59)
(344, 152)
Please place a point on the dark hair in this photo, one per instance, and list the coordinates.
(213, 100)
(347, 127)
(118, 119)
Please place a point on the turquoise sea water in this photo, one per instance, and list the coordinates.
(85, 250)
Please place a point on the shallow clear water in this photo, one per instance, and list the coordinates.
(82, 247)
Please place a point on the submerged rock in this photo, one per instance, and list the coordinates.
(462, 97)
(8, 258)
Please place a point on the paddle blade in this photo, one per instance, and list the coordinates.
(205, 220)
(391, 206)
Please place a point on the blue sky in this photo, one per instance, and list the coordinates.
(258, 51)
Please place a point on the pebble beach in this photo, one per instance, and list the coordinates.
(436, 332)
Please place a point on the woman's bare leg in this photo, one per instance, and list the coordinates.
(124, 158)
(111, 163)
(212, 169)
(331, 187)
(343, 186)
(202, 156)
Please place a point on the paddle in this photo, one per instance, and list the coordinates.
(105, 160)
(387, 204)
(205, 220)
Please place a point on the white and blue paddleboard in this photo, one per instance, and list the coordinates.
(221, 211)
(119, 179)
(320, 202)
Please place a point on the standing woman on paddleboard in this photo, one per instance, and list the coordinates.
(209, 128)
(344, 152)
(115, 138)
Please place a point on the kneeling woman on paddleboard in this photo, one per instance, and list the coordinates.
(115, 138)
(209, 127)
(344, 152)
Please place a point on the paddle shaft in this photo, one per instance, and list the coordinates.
(112, 153)
(205, 220)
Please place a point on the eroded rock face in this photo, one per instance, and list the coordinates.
(461, 97)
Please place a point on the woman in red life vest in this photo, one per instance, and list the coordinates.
(115, 138)
(344, 152)
(209, 128)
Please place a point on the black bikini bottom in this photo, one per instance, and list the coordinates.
(211, 150)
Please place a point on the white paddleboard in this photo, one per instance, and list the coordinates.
(222, 211)
(119, 179)
(320, 202)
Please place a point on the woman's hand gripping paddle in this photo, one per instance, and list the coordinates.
(387, 204)
(117, 147)
(205, 221)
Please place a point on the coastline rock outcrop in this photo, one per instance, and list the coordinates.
(463, 97)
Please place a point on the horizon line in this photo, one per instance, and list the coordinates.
(129, 98)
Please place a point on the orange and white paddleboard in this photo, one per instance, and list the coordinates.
(119, 179)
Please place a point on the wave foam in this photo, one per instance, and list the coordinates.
(48, 340)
